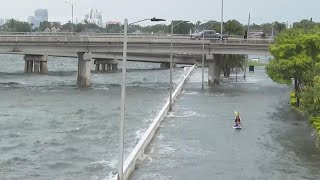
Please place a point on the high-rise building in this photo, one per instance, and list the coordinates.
(2, 22)
(40, 15)
(94, 17)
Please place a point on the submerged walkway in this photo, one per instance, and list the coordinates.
(197, 140)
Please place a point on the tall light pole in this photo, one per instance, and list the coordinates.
(248, 29)
(71, 4)
(171, 64)
(123, 94)
(221, 19)
(272, 33)
(203, 59)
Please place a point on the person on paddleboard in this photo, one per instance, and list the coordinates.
(237, 119)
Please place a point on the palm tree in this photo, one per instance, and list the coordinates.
(233, 61)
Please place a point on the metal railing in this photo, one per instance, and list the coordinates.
(29, 37)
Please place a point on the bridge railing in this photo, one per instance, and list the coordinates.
(117, 37)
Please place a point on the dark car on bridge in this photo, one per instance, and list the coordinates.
(208, 34)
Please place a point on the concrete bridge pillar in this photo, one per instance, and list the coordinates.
(215, 66)
(84, 73)
(109, 67)
(106, 65)
(167, 65)
(114, 67)
(36, 64)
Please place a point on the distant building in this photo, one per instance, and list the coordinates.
(94, 17)
(2, 22)
(40, 15)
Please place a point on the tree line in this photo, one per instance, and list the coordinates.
(296, 61)
(231, 27)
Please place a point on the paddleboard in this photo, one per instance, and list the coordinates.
(237, 127)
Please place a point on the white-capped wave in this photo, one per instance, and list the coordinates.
(182, 114)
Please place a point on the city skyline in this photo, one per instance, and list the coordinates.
(261, 12)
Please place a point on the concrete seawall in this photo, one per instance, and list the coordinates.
(147, 137)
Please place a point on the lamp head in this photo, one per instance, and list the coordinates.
(157, 19)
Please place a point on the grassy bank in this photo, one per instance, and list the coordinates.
(315, 121)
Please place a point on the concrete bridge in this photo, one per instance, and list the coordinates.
(107, 49)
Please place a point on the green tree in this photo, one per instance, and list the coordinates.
(234, 27)
(212, 25)
(279, 27)
(43, 26)
(267, 28)
(295, 54)
(305, 24)
(311, 97)
(17, 26)
(114, 28)
(182, 28)
(89, 27)
(157, 28)
(233, 61)
(255, 27)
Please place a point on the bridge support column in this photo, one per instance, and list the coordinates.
(109, 67)
(106, 65)
(84, 73)
(43, 67)
(36, 64)
(103, 67)
(167, 65)
(214, 65)
(114, 67)
(97, 67)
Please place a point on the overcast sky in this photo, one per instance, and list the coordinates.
(192, 10)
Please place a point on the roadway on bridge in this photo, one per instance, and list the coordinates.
(197, 141)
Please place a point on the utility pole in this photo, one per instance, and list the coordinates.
(221, 20)
(248, 29)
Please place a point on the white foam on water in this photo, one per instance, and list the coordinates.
(166, 149)
(182, 114)
(250, 81)
(154, 176)
(171, 114)
(143, 157)
(110, 176)
(191, 93)
(112, 164)
(139, 134)
(161, 136)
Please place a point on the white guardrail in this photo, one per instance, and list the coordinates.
(147, 137)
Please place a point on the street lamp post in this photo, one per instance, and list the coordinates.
(248, 28)
(202, 64)
(221, 19)
(71, 4)
(123, 93)
(171, 63)
(272, 32)
(203, 59)
(171, 49)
